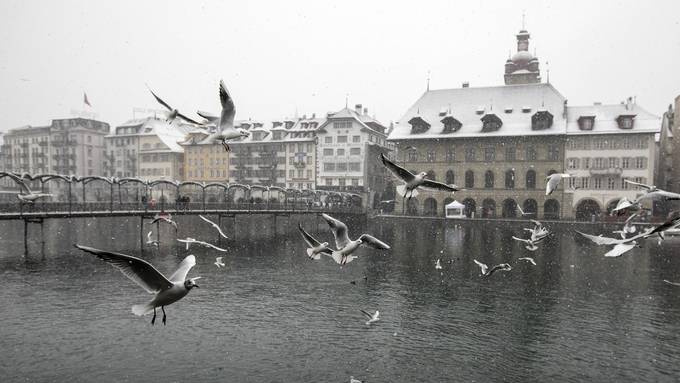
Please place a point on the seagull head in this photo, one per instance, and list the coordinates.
(506, 267)
(191, 283)
(422, 174)
(324, 244)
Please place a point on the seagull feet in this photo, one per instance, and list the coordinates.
(163, 308)
(226, 146)
(153, 320)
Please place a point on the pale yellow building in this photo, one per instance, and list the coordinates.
(205, 160)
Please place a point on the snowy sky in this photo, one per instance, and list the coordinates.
(279, 57)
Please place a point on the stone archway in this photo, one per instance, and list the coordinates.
(430, 207)
(470, 207)
(488, 208)
(530, 208)
(509, 208)
(551, 209)
(587, 208)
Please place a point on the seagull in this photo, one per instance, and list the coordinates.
(216, 226)
(651, 193)
(344, 245)
(671, 283)
(26, 195)
(225, 124)
(352, 380)
(151, 242)
(218, 262)
(188, 241)
(628, 227)
(164, 219)
(553, 181)
(661, 229)
(438, 265)
(167, 290)
(528, 259)
(486, 272)
(621, 246)
(371, 318)
(174, 113)
(316, 248)
(648, 188)
(530, 245)
(522, 213)
(413, 181)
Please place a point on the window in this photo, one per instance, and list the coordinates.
(431, 156)
(356, 139)
(413, 156)
(450, 177)
(469, 153)
(531, 179)
(342, 139)
(329, 182)
(531, 153)
(488, 179)
(553, 153)
(355, 166)
(342, 167)
(611, 183)
(469, 179)
(597, 183)
(489, 154)
(613, 162)
(598, 163)
(511, 153)
(625, 163)
(586, 122)
(586, 163)
(328, 140)
(625, 122)
(572, 163)
(328, 166)
(342, 182)
(341, 152)
(342, 124)
(510, 179)
(355, 151)
(626, 144)
(640, 163)
(327, 152)
(450, 155)
(491, 123)
(584, 182)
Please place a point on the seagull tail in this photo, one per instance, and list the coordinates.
(140, 310)
(311, 255)
(401, 190)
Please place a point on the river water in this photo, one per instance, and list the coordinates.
(272, 315)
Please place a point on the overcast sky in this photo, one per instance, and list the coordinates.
(280, 57)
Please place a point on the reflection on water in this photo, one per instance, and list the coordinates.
(273, 315)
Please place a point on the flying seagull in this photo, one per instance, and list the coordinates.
(651, 193)
(621, 246)
(316, 248)
(671, 283)
(530, 245)
(345, 246)
(218, 262)
(528, 259)
(150, 241)
(26, 195)
(225, 125)
(413, 181)
(173, 113)
(216, 226)
(188, 241)
(352, 380)
(486, 272)
(438, 264)
(628, 227)
(166, 290)
(371, 317)
(553, 181)
(165, 219)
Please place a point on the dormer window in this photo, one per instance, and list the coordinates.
(257, 136)
(304, 125)
(289, 124)
(418, 125)
(508, 110)
(443, 111)
(526, 109)
(480, 110)
(541, 120)
(586, 122)
(626, 121)
(451, 124)
(276, 124)
(491, 123)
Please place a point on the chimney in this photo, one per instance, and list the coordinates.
(357, 108)
(313, 115)
(366, 111)
(466, 84)
(304, 116)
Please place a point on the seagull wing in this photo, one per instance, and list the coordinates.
(521, 212)
(645, 186)
(339, 230)
(19, 181)
(311, 241)
(208, 116)
(138, 270)
(438, 186)
(663, 227)
(212, 246)
(600, 240)
(483, 266)
(631, 217)
(187, 119)
(671, 283)
(216, 226)
(667, 195)
(552, 183)
(148, 236)
(371, 241)
(368, 315)
(160, 101)
(520, 239)
(228, 108)
(397, 170)
(619, 249)
(183, 269)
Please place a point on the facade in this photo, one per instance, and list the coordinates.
(160, 154)
(205, 160)
(301, 152)
(348, 146)
(122, 150)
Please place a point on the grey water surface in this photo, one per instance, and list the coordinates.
(272, 315)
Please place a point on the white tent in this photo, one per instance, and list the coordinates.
(455, 210)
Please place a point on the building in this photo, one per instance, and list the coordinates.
(122, 149)
(205, 159)
(160, 154)
(607, 144)
(349, 143)
(668, 165)
(259, 158)
(301, 151)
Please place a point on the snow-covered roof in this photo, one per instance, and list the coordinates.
(455, 205)
(168, 134)
(606, 119)
(467, 103)
(365, 120)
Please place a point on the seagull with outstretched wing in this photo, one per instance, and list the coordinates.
(173, 113)
(225, 125)
(414, 181)
(216, 226)
(166, 290)
(345, 246)
(315, 248)
(166, 219)
(371, 318)
(486, 271)
(528, 259)
(621, 246)
(188, 241)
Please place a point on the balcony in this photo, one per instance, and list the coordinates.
(43, 143)
(299, 164)
(606, 172)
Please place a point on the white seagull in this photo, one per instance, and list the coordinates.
(621, 246)
(530, 245)
(165, 219)
(188, 241)
(628, 227)
(352, 380)
(225, 125)
(345, 246)
(671, 283)
(166, 290)
(486, 272)
(553, 181)
(371, 317)
(438, 264)
(651, 192)
(26, 195)
(414, 181)
(528, 259)
(316, 248)
(216, 226)
(150, 241)
(218, 262)
(173, 113)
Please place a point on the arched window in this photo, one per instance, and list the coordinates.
(488, 179)
(488, 208)
(510, 179)
(470, 207)
(551, 209)
(531, 208)
(431, 175)
(469, 179)
(430, 207)
(509, 208)
(450, 177)
(531, 179)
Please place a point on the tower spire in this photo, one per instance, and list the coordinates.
(523, 20)
(428, 80)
